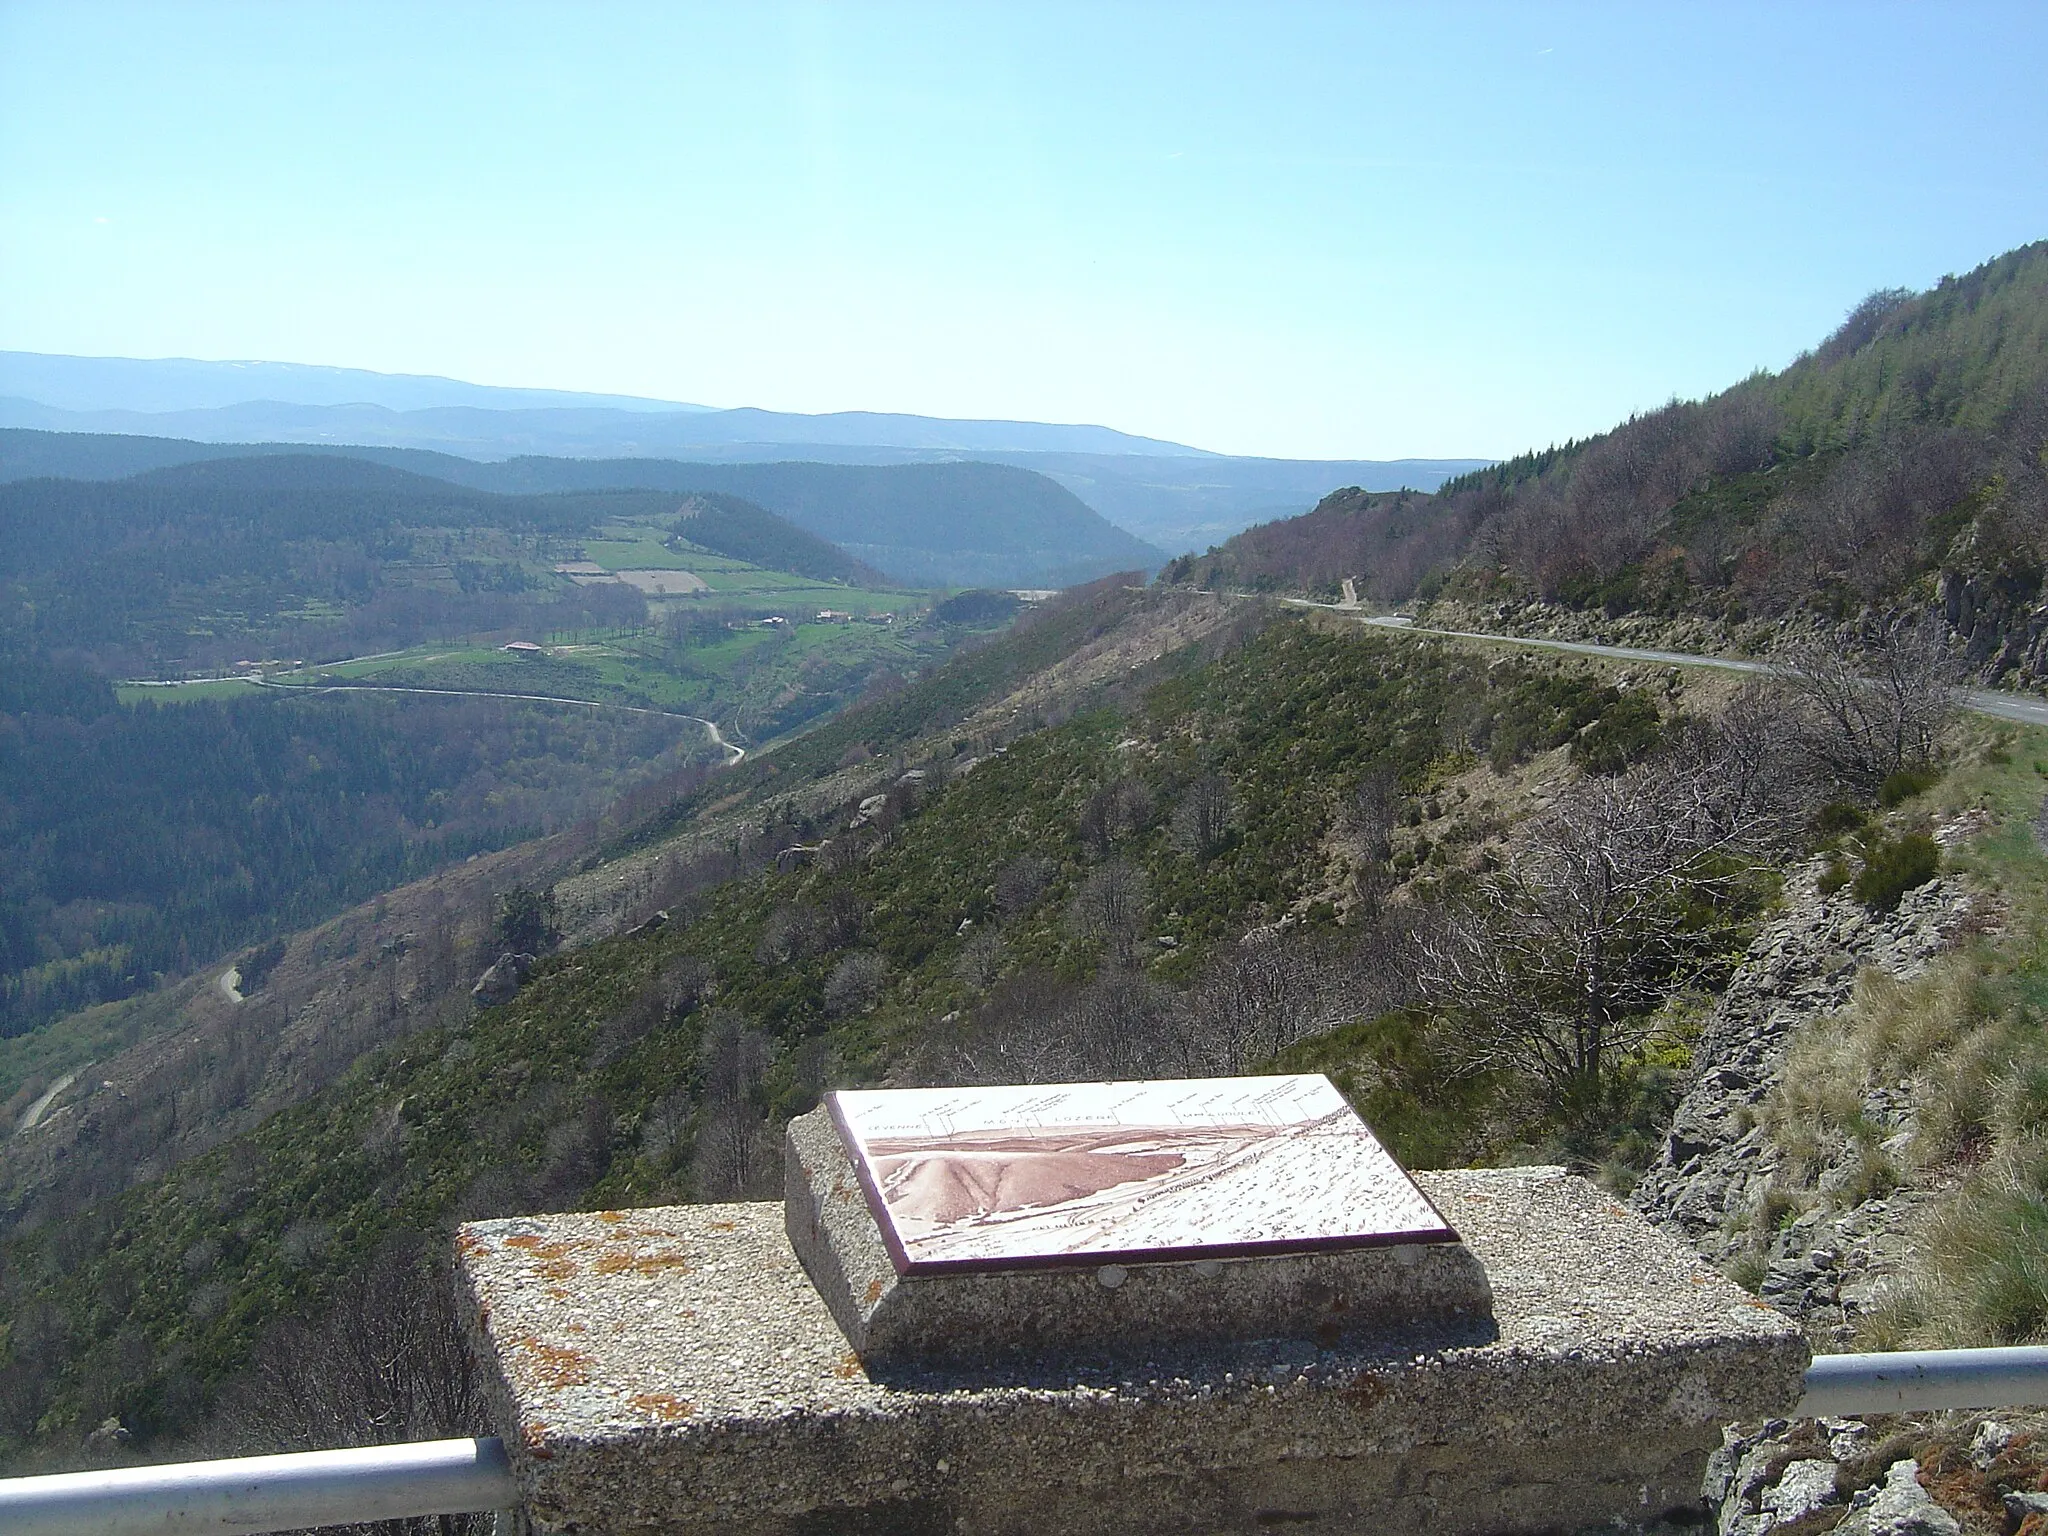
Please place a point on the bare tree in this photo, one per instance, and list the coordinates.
(1872, 707)
(980, 959)
(1020, 882)
(1114, 812)
(734, 1153)
(1109, 909)
(1260, 997)
(1201, 821)
(386, 1364)
(855, 983)
(1561, 957)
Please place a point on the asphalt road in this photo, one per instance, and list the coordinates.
(734, 751)
(2027, 708)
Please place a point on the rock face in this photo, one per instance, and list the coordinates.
(501, 983)
(1799, 1479)
(1711, 1179)
(1713, 1172)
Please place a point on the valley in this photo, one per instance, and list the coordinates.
(1497, 805)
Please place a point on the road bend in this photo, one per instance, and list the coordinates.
(734, 752)
(2027, 709)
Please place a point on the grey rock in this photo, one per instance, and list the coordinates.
(1989, 1443)
(1803, 1487)
(501, 983)
(1900, 1508)
(1716, 1165)
(111, 1435)
(652, 925)
(2020, 1505)
(1846, 1437)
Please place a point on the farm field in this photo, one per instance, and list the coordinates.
(641, 548)
(184, 693)
(707, 658)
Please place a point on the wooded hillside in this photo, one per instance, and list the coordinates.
(1900, 463)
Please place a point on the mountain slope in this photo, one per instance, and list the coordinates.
(1898, 466)
(948, 524)
(1174, 503)
(729, 525)
(959, 524)
(963, 926)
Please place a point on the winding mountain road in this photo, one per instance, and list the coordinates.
(735, 752)
(2027, 709)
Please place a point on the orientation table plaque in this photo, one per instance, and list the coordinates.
(979, 1179)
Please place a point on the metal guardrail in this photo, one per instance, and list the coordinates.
(452, 1477)
(1918, 1381)
(264, 1493)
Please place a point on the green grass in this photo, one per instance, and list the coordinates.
(649, 550)
(91, 1034)
(1969, 1038)
(184, 693)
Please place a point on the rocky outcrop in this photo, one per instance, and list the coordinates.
(1996, 627)
(1715, 1169)
(1792, 1479)
(1899, 1477)
(1998, 624)
(501, 983)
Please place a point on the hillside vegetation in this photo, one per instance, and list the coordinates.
(1223, 839)
(943, 524)
(140, 841)
(1898, 466)
(197, 565)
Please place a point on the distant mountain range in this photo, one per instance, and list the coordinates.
(1167, 494)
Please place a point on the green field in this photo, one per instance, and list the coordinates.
(184, 693)
(707, 654)
(758, 682)
(647, 549)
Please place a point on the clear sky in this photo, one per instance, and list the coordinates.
(1289, 229)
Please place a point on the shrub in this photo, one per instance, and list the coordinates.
(1834, 877)
(1904, 785)
(1627, 727)
(1837, 817)
(1890, 869)
(1748, 1269)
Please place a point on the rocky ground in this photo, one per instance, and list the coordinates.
(1715, 1180)
(1823, 1247)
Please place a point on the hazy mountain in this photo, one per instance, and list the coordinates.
(189, 384)
(1190, 504)
(213, 401)
(1170, 495)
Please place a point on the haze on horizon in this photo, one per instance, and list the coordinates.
(1328, 232)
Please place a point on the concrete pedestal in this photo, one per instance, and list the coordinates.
(674, 1370)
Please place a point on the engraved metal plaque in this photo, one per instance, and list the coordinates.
(1094, 1173)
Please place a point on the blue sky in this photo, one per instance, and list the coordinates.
(1298, 230)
